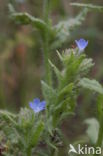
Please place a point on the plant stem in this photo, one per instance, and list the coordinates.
(46, 10)
(46, 46)
(100, 135)
(28, 152)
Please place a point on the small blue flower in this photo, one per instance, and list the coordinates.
(82, 44)
(37, 106)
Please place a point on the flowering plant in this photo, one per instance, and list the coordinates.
(35, 130)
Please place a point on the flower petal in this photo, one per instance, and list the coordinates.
(31, 104)
(43, 103)
(82, 44)
(36, 100)
(37, 106)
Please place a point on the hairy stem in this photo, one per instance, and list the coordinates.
(100, 135)
(46, 46)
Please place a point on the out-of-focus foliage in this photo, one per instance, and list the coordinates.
(93, 129)
(89, 6)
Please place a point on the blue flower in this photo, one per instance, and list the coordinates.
(37, 106)
(82, 44)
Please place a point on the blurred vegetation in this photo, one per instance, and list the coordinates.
(21, 53)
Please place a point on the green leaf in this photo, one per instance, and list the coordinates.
(61, 111)
(36, 134)
(11, 8)
(57, 72)
(65, 91)
(48, 92)
(63, 28)
(80, 18)
(60, 56)
(72, 65)
(25, 18)
(8, 117)
(89, 6)
(63, 105)
(85, 66)
(92, 85)
(26, 118)
(93, 129)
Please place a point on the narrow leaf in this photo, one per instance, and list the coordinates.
(91, 84)
(25, 18)
(36, 134)
(93, 129)
(63, 28)
(57, 72)
(89, 6)
(48, 92)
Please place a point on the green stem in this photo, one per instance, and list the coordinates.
(100, 135)
(46, 63)
(46, 46)
(46, 10)
(28, 152)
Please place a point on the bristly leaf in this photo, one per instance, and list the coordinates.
(65, 91)
(85, 66)
(36, 134)
(93, 129)
(11, 8)
(64, 28)
(71, 66)
(25, 18)
(91, 84)
(64, 104)
(8, 117)
(89, 6)
(57, 72)
(60, 56)
(26, 118)
(48, 92)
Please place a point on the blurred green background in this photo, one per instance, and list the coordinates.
(21, 63)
